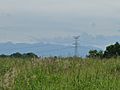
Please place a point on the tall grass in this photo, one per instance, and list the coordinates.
(59, 74)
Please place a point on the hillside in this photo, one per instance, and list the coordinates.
(59, 74)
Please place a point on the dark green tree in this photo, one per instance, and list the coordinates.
(16, 55)
(30, 55)
(95, 54)
(112, 51)
(4, 56)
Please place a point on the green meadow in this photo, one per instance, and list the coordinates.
(59, 74)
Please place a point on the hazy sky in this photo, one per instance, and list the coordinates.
(25, 20)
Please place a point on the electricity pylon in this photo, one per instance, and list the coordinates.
(76, 45)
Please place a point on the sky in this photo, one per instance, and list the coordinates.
(48, 20)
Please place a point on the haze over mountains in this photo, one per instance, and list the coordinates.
(43, 49)
(60, 46)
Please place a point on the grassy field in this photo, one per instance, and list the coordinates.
(59, 74)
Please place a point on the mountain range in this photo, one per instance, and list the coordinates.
(44, 49)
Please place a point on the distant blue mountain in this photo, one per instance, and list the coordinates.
(43, 49)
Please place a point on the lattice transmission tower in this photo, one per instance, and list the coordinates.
(76, 44)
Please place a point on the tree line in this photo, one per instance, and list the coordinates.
(19, 55)
(111, 51)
